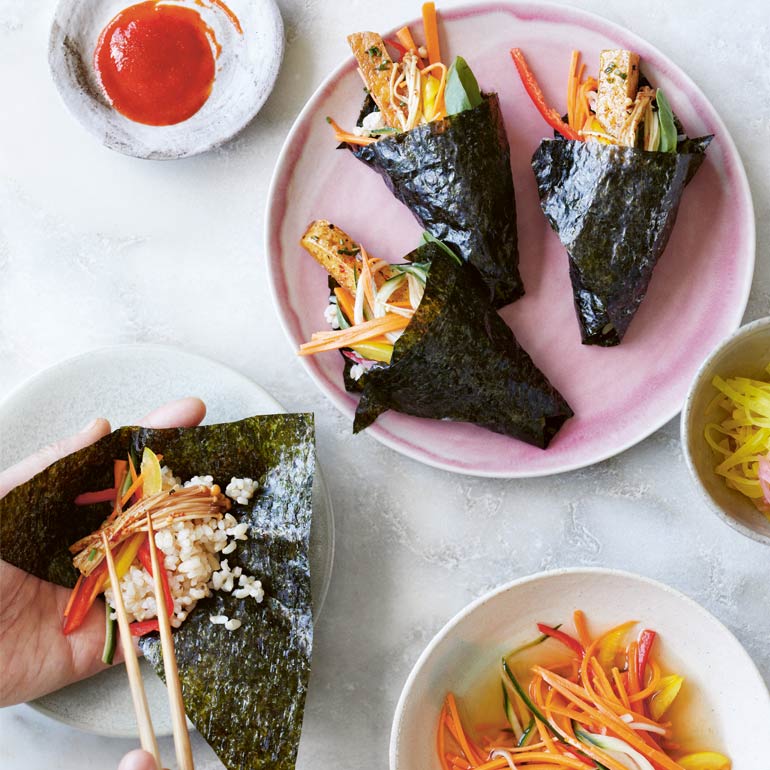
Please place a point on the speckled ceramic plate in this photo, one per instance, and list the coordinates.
(246, 70)
(620, 395)
(59, 401)
(728, 704)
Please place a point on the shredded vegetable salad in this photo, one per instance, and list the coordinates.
(603, 705)
(372, 303)
(612, 108)
(742, 438)
(409, 82)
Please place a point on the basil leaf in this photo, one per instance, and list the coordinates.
(462, 90)
(668, 132)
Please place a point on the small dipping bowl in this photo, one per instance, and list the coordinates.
(246, 70)
(745, 354)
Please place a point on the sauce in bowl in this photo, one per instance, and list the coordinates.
(157, 62)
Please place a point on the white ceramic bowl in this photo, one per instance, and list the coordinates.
(247, 68)
(730, 704)
(745, 353)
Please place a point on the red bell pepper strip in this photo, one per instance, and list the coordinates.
(646, 639)
(565, 639)
(142, 627)
(102, 496)
(550, 115)
(395, 44)
(83, 596)
(145, 557)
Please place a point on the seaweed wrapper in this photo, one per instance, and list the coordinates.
(454, 175)
(458, 360)
(613, 209)
(244, 690)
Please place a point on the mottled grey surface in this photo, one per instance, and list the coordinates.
(80, 268)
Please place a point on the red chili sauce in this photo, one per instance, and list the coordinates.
(157, 62)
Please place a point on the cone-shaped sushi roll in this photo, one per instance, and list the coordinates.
(236, 571)
(610, 185)
(422, 338)
(441, 148)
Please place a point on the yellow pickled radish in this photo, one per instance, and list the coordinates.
(664, 697)
(705, 760)
(374, 351)
(152, 477)
(430, 87)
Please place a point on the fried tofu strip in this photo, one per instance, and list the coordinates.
(618, 81)
(376, 68)
(336, 252)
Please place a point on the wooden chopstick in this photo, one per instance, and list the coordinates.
(182, 747)
(138, 695)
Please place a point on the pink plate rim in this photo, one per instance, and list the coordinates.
(545, 11)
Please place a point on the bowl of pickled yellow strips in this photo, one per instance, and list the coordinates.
(726, 430)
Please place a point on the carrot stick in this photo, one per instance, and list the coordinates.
(619, 687)
(404, 36)
(572, 86)
(130, 491)
(366, 277)
(430, 27)
(441, 740)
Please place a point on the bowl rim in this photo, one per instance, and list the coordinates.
(742, 333)
(469, 609)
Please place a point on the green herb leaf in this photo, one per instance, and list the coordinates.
(668, 132)
(462, 90)
(429, 238)
(374, 51)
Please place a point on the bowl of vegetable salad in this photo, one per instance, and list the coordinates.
(726, 430)
(582, 668)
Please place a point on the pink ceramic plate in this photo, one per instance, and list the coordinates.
(620, 395)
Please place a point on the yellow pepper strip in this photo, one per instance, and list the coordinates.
(127, 555)
(664, 697)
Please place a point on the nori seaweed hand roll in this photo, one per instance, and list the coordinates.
(243, 646)
(423, 338)
(610, 185)
(440, 145)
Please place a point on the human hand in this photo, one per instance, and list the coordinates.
(137, 760)
(37, 657)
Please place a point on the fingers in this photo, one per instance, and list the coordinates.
(30, 466)
(137, 760)
(184, 413)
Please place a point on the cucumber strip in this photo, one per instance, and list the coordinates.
(527, 732)
(110, 635)
(523, 695)
(341, 320)
(429, 238)
(540, 639)
(510, 714)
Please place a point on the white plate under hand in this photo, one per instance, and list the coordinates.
(60, 401)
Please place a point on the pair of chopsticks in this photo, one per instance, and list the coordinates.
(179, 723)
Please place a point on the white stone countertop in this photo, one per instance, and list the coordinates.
(98, 249)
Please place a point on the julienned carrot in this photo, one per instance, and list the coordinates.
(441, 740)
(345, 136)
(136, 484)
(581, 626)
(465, 743)
(346, 302)
(620, 687)
(430, 28)
(345, 338)
(604, 716)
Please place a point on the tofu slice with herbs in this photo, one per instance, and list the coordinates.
(618, 82)
(376, 68)
(336, 252)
